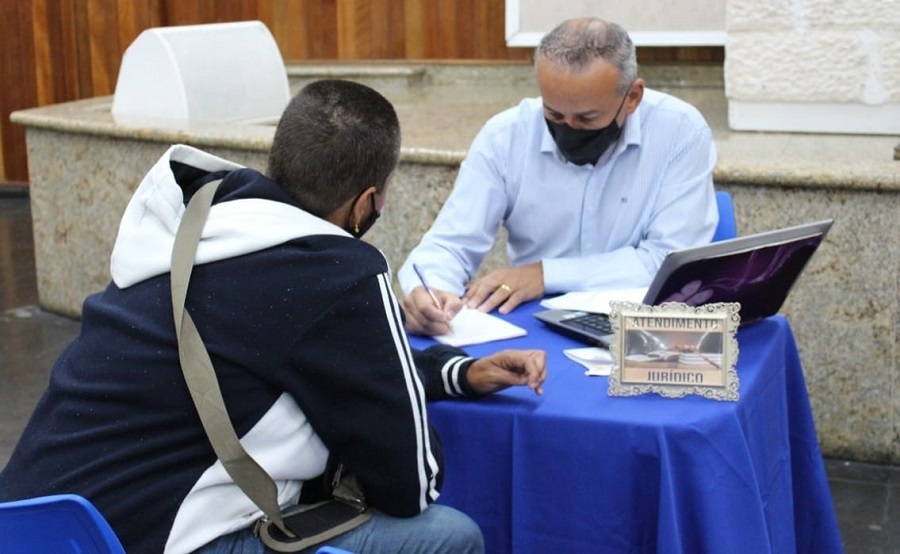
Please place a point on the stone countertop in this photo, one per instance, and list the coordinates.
(93, 117)
(439, 118)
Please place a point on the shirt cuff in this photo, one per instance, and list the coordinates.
(454, 377)
(561, 275)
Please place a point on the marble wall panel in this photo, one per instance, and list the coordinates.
(843, 310)
(79, 187)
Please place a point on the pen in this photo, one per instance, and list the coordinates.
(434, 298)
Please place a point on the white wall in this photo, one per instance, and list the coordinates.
(813, 65)
(649, 22)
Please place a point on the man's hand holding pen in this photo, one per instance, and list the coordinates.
(430, 310)
(430, 313)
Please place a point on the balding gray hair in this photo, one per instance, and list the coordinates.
(575, 43)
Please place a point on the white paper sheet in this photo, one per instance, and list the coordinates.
(596, 301)
(598, 361)
(473, 327)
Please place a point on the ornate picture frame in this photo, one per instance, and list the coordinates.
(675, 350)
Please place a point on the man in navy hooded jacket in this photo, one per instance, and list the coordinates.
(305, 336)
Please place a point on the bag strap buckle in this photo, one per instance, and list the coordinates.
(346, 490)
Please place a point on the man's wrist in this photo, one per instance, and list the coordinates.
(464, 384)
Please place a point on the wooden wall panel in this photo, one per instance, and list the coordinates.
(681, 54)
(103, 38)
(458, 30)
(61, 50)
(41, 27)
(191, 12)
(17, 84)
(370, 30)
(303, 30)
(2, 165)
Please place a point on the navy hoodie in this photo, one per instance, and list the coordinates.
(307, 341)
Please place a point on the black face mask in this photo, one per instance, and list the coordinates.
(360, 230)
(585, 146)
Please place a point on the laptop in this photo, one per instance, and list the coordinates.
(756, 270)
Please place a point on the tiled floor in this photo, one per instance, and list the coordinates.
(866, 496)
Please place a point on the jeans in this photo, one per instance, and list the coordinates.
(437, 530)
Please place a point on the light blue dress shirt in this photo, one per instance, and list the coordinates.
(607, 225)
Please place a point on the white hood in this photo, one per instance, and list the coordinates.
(143, 247)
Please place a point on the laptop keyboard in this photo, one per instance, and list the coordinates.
(594, 322)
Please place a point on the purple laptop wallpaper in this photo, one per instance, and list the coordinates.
(759, 279)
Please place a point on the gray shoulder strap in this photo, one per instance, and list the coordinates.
(199, 373)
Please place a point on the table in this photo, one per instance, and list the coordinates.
(576, 470)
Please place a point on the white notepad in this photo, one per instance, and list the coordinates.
(596, 301)
(473, 327)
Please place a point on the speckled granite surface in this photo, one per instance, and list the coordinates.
(844, 310)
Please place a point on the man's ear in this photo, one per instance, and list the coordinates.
(362, 206)
(635, 94)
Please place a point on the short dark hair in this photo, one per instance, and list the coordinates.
(575, 43)
(334, 139)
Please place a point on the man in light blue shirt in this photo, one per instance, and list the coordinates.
(595, 182)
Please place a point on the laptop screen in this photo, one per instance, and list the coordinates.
(758, 271)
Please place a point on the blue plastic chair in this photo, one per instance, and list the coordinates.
(727, 228)
(60, 523)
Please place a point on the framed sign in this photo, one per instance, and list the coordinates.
(674, 350)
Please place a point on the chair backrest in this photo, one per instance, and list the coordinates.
(727, 228)
(59, 523)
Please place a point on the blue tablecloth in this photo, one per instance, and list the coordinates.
(576, 470)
